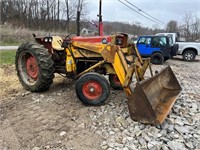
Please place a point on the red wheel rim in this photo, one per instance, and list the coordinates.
(32, 67)
(116, 80)
(92, 90)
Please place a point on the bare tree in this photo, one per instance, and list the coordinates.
(70, 14)
(195, 28)
(72, 7)
(190, 28)
(187, 24)
(41, 14)
(172, 26)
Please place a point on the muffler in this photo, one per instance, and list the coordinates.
(153, 98)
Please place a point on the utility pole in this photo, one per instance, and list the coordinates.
(78, 23)
(78, 19)
(100, 19)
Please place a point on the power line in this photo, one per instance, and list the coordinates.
(144, 12)
(138, 12)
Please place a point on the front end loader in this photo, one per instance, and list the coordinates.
(88, 60)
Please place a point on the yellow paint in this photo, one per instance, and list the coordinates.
(70, 62)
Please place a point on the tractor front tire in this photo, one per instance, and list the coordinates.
(92, 89)
(114, 82)
(34, 67)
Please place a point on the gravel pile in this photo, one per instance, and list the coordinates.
(180, 130)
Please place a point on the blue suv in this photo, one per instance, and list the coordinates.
(159, 48)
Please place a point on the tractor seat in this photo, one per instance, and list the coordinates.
(57, 43)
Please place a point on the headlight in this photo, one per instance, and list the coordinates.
(46, 39)
(50, 40)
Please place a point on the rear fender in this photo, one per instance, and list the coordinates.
(193, 49)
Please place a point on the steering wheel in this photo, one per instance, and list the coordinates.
(69, 36)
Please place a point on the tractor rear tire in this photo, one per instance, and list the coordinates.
(114, 82)
(92, 89)
(157, 59)
(34, 67)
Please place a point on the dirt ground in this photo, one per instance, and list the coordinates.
(55, 119)
(49, 120)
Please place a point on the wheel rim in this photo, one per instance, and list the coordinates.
(188, 56)
(156, 59)
(92, 90)
(116, 80)
(28, 68)
(32, 68)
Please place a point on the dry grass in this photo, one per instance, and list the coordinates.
(10, 35)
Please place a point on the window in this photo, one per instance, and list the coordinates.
(163, 41)
(159, 42)
(144, 40)
(170, 40)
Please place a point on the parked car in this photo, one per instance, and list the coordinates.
(159, 48)
(188, 50)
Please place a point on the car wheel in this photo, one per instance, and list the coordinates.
(189, 55)
(157, 58)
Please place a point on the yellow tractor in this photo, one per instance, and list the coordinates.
(88, 60)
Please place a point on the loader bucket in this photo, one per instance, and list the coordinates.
(153, 98)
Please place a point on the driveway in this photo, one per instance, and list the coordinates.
(8, 47)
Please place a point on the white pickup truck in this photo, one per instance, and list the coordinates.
(189, 50)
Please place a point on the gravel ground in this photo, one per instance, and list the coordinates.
(56, 119)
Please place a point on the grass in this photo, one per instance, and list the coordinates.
(7, 57)
(9, 43)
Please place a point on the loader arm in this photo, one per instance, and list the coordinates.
(114, 55)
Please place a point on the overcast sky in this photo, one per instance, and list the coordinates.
(163, 10)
